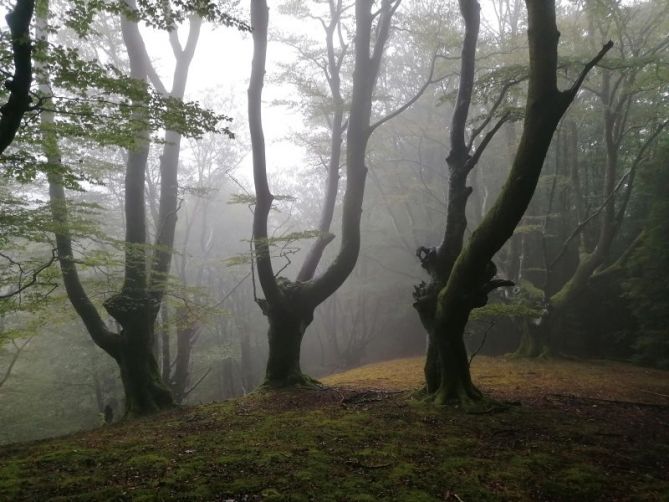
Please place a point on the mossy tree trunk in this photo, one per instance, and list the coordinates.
(438, 262)
(287, 325)
(289, 305)
(136, 306)
(472, 276)
(619, 92)
(144, 389)
(455, 382)
(536, 339)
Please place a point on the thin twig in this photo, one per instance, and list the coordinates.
(485, 337)
(34, 276)
(197, 383)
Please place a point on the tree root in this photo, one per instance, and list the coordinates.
(469, 400)
(293, 381)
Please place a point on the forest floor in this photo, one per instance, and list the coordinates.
(579, 430)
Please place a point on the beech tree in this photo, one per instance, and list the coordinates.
(472, 275)
(146, 268)
(462, 158)
(289, 305)
(631, 121)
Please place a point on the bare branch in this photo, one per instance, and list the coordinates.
(473, 160)
(196, 384)
(428, 82)
(15, 357)
(589, 66)
(637, 160)
(492, 111)
(619, 185)
(35, 274)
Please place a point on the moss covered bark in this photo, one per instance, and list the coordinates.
(289, 306)
(288, 321)
(472, 276)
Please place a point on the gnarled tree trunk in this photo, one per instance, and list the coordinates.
(472, 276)
(438, 262)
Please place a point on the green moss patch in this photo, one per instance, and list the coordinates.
(358, 444)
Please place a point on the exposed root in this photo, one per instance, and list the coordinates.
(468, 399)
(420, 394)
(293, 381)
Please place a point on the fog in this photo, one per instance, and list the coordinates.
(211, 336)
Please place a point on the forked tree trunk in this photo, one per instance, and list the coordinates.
(288, 320)
(438, 262)
(135, 308)
(289, 305)
(132, 348)
(565, 300)
(472, 275)
(145, 391)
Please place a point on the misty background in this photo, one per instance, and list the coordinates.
(211, 335)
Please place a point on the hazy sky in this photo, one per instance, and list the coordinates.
(222, 66)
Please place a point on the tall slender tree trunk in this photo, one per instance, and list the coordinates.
(132, 348)
(438, 262)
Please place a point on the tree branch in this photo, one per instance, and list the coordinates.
(15, 357)
(476, 131)
(264, 198)
(571, 92)
(429, 81)
(34, 275)
(19, 100)
(87, 311)
(473, 160)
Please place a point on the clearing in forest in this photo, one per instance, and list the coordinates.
(579, 430)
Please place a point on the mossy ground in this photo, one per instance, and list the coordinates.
(582, 431)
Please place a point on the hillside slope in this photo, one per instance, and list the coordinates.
(583, 431)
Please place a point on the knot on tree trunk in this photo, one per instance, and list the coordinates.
(126, 309)
(485, 285)
(294, 302)
(427, 257)
(264, 306)
(425, 296)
